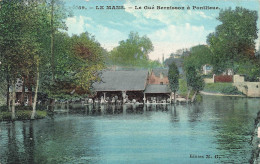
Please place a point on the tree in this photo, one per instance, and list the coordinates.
(234, 39)
(197, 86)
(13, 41)
(80, 59)
(190, 73)
(173, 76)
(199, 56)
(25, 29)
(194, 81)
(132, 51)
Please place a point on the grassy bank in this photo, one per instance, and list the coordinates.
(224, 88)
(21, 113)
(183, 90)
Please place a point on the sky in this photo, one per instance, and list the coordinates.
(169, 30)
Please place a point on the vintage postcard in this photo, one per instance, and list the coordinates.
(129, 81)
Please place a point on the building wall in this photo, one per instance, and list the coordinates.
(238, 79)
(251, 89)
(157, 80)
(209, 80)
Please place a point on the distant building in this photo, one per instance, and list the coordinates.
(158, 76)
(228, 71)
(19, 92)
(207, 69)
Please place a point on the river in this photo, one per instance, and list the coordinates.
(217, 130)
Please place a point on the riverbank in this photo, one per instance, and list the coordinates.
(219, 94)
(21, 115)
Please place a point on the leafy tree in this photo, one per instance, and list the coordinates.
(194, 81)
(249, 68)
(234, 39)
(190, 73)
(132, 51)
(24, 28)
(199, 56)
(173, 76)
(16, 45)
(80, 60)
(197, 86)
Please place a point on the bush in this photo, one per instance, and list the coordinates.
(225, 88)
(19, 107)
(183, 89)
(22, 115)
(3, 108)
(198, 98)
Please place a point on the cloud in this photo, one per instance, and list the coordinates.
(109, 46)
(115, 23)
(106, 36)
(203, 15)
(166, 48)
(175, 37)
(76, 24)
(181, 33)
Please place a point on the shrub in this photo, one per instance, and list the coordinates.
(225, 88)
(182, 88)
(3, 108)
(19, 107)
(22, 115)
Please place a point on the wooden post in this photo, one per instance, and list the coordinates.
(144, 99)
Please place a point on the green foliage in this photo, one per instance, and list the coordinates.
(234, 39)
(26, 29)
(199, 56)
(199, 98)
(133, 52)
(22, 115)
(198, 84)
(173, 76)
(3, 108)
(225, 88)
(194, 79)
(80, 58)
(183, 89)
(2, 91)
(249, 68)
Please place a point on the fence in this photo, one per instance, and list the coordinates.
(223, 78)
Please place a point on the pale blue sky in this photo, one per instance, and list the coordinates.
(169, 30)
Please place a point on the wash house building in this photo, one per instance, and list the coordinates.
(122, 84)
(137, 85)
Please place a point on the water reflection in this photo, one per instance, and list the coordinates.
(175, 115)
(12, 154)
(135, 133)
(195, 112)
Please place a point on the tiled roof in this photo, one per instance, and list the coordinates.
(157, 71)
(122, 81)
(156, 88)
